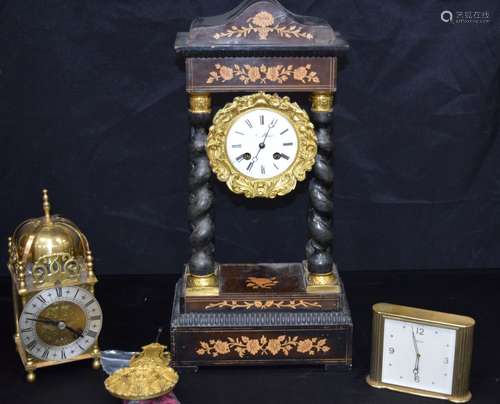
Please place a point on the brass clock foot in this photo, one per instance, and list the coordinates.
(322, 283)
(30, 376)
(202, 285)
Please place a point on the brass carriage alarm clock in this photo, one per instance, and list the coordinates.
(57, 316)
(422, 352)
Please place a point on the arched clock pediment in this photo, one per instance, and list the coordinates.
(257, 24)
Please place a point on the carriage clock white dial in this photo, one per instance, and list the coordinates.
(422, 352)
(419, 356)
(261, 143)
(60, 323)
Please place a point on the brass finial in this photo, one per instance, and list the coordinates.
(46, 205)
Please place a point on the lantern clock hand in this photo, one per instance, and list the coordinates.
(60, 324)
(45, 321)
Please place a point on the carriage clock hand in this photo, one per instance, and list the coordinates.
(416, 368)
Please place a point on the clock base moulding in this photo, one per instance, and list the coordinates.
(263, 315)
(243, 287)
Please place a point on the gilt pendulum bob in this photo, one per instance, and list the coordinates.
(260, 144)
(57, 317)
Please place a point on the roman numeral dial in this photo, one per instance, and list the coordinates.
(261, 143)
(61, 323)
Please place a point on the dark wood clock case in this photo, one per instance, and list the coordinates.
(268, 313)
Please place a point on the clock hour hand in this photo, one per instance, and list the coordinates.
(416, 368)
(60, 324)
(78, 333)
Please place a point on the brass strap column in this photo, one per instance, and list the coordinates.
(201, 271)
(321, 278)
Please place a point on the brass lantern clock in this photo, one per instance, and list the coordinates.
(57, 317)
(261, 142)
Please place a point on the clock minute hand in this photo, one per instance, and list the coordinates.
(269, 127)
(417, 359)
(415, 342)
(263, 143)
(46, 321)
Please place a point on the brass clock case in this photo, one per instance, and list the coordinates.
(48, 251)
(48, 254)
(250, 187)
(464, 328)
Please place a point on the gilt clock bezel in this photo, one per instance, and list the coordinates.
(462, 325)
(241, 183)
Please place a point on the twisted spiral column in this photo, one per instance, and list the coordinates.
(201, 266)
(319, 246)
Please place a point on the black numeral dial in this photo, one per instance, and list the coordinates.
(60, 323)
(261, 143)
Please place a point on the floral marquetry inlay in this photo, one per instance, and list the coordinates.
(246, 346)
(262, 74)
(262, 305)
(263, 23)
(261, 283)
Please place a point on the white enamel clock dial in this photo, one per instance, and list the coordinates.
(60, 323)
(418, 356)
(261, 143)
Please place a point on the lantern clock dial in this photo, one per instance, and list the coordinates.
(261, 143)
(60, 323)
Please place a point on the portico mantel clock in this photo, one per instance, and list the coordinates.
(261, 143)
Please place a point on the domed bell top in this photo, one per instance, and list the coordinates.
(49, 251)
